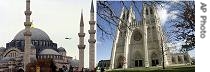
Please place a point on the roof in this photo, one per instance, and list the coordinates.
(37, 34)
(61, 49)
(2, 49)
(49, 52)
(6, 59)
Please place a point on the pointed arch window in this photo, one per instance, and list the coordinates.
(151, 10)
(147, 11)
(137, 36)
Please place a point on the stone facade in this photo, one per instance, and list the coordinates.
(139, 43)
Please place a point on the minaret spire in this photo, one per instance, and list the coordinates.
(81, 45)
(92, 39)
(27, 34)
(92, 7)
(81, 19)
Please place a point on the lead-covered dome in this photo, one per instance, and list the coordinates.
(37, 34)
(2, 49)
(49, 52)
(61, 49)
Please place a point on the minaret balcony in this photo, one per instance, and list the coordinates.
(27, 12)
(81, 46)
(27, 23)
(92, 22)
(91, 40)
(81, 34)
(92, 31)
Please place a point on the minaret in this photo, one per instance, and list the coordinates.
(92, 39)
(81, 45)
(27, 35)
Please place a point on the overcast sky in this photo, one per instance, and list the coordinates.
(58, 18)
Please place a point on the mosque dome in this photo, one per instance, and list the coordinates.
(49, 52)
(2, 49)
(37, 34)
(61, 49)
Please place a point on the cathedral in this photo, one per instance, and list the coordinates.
(139, 43)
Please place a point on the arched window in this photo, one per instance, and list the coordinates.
(154, 60)
(15, 54)
(186, 58)
(40, 42)
(137, 36)
(173, 60)
(44, 43)
(151, 10)
(179, 59)
(147, 11)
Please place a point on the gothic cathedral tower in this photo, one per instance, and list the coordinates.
(137, 43)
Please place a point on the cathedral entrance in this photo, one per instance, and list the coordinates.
(155, 62)
(154, 59)
(120, 62)
(138, 63)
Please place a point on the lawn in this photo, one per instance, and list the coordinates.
(158, 69)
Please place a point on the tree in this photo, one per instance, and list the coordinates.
(183, 26)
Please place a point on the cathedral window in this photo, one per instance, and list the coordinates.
(137, 36)
(186, 58)
(153, 27)
(146, 11)
(179, 59)
(151, 11)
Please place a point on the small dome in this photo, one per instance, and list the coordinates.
(37, 34)
(61, 49)
(2, 49)
(49, 51)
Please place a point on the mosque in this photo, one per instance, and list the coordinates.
(29, 45)
(32, 45)
(42, 47)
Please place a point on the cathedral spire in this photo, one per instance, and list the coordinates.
(131, 14)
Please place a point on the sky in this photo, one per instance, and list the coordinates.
(58, 18)
(105, 45)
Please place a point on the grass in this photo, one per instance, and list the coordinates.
(157, 69)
